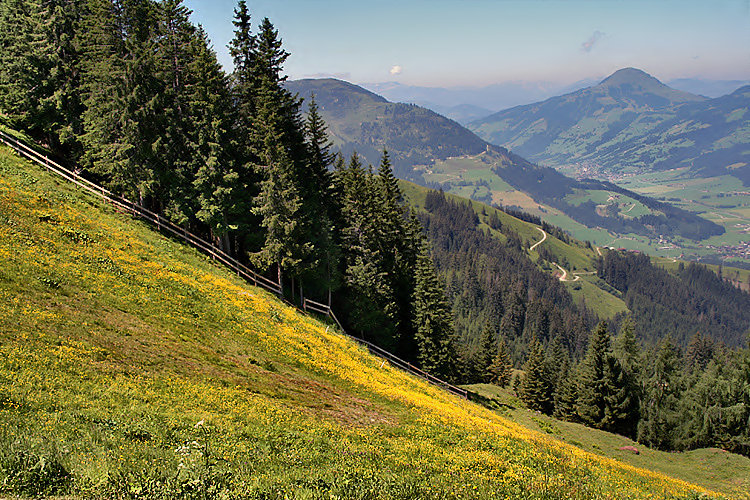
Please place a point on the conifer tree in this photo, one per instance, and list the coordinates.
(277, 139)
(536, 388)
(174, 157)
(501, 368)
(432, 320)
(699, 351)
(368, 287)
(218, 180)
(660, 411)
(121, 90)
(593, 383)
(26, 58)
(626, 348)
(566, 396)
(605, 396)
(244, 89)
(325, 201)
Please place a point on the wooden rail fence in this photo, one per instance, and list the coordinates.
(214, 252)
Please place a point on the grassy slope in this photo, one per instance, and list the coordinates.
(124, 355)
(711, 467)
(588, 289)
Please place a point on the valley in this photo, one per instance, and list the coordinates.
(600, 212)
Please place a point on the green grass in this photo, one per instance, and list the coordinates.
(713, 468)
(134, 367)
(586, 291)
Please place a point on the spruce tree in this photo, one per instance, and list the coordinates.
(323, 201)
(605, 396)
(174, 152)
(244, 86)
(501, 368)
(536, 388)
(432, 320)
(277, 137)
(26, 61)
(218, 179)
(566, 396)
(660, 409)
(368, 289)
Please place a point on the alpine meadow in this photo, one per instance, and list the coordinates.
(220, 282)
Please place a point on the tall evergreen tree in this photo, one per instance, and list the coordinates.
(501, 369)
(218, 180)
(26, 59)
(536, 388)
(121, 92)
(605, 396)
(660, 411)
(277, 137)
(324, 204)
(566, 396)
(432, 320)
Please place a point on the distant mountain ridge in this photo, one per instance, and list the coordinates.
(629, 122)
(362, 121)
(417, 139)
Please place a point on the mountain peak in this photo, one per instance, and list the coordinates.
(631, 76)
(633, 81)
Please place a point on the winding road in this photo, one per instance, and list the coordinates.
(544, 237)
(564, 276)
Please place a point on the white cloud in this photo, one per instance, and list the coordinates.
(593, 39)
(396, 70)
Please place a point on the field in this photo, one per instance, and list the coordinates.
(723, 200)
(132, 367)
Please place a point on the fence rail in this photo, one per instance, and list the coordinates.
(215, 253)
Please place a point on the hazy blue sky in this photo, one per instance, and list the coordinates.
(478, 42)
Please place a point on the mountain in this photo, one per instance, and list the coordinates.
(629, 123)
(134, 367)
(494, 97)
(360, 120)
(431, 149)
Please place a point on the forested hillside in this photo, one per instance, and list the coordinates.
(683, 330)
(694, 301)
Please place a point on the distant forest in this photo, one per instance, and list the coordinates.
(130, 91)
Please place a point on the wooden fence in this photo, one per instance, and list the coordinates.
(214, 252)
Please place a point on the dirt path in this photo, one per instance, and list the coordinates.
(599, 251)
(564, 276)
(544, 237)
